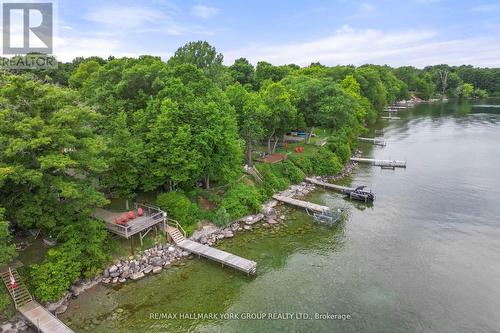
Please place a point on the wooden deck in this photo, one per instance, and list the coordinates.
(381, 163)
(225, 258)
(42, 319)
(140, 225)
(302, 204)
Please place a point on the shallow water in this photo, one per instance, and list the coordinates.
(423, 258)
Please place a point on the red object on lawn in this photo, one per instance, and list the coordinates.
(124, 217)
(131, 215)
(139, 212)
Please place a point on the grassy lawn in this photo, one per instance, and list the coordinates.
(309, 149)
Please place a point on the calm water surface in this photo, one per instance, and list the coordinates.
(424, 258)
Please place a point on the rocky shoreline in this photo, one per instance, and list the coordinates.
(163, 256)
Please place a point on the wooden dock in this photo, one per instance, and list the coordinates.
(41, 318)
(225, 258)
(302, 204)
(381, 163)
(360, 194)
(338, 188)
(390, 118)
(376, 142)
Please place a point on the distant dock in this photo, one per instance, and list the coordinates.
(376, 142)
(381, 163)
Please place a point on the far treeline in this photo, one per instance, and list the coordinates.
(95, 129)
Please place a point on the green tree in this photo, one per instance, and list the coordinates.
(205, 143)
(465, 90)
(281, 113)
(425, 87)
(83, 72)
(50, 155)
(203, 56)
(7, 248)
(266, 71)
(243, 72)
(250, 114)
(125, 157)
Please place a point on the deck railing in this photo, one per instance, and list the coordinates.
(153, 214)
(176, 224)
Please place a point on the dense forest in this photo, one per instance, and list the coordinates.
(95, 130)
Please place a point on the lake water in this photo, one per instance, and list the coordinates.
(425, 257)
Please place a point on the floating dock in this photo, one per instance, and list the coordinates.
(376, 142)
(302, 204)
(381, 163)
(225, 258)
(390, 118)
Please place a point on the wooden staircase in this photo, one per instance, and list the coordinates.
(20, 294)
(175, 234)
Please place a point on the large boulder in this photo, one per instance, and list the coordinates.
(156, 261)
(61, 309)
(114, 274)
(113, 269)
(253, 219)
(269, 212)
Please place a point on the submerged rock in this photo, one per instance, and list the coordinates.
(148, 269)
(137, 276)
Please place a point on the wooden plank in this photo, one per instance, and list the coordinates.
(302, 204)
